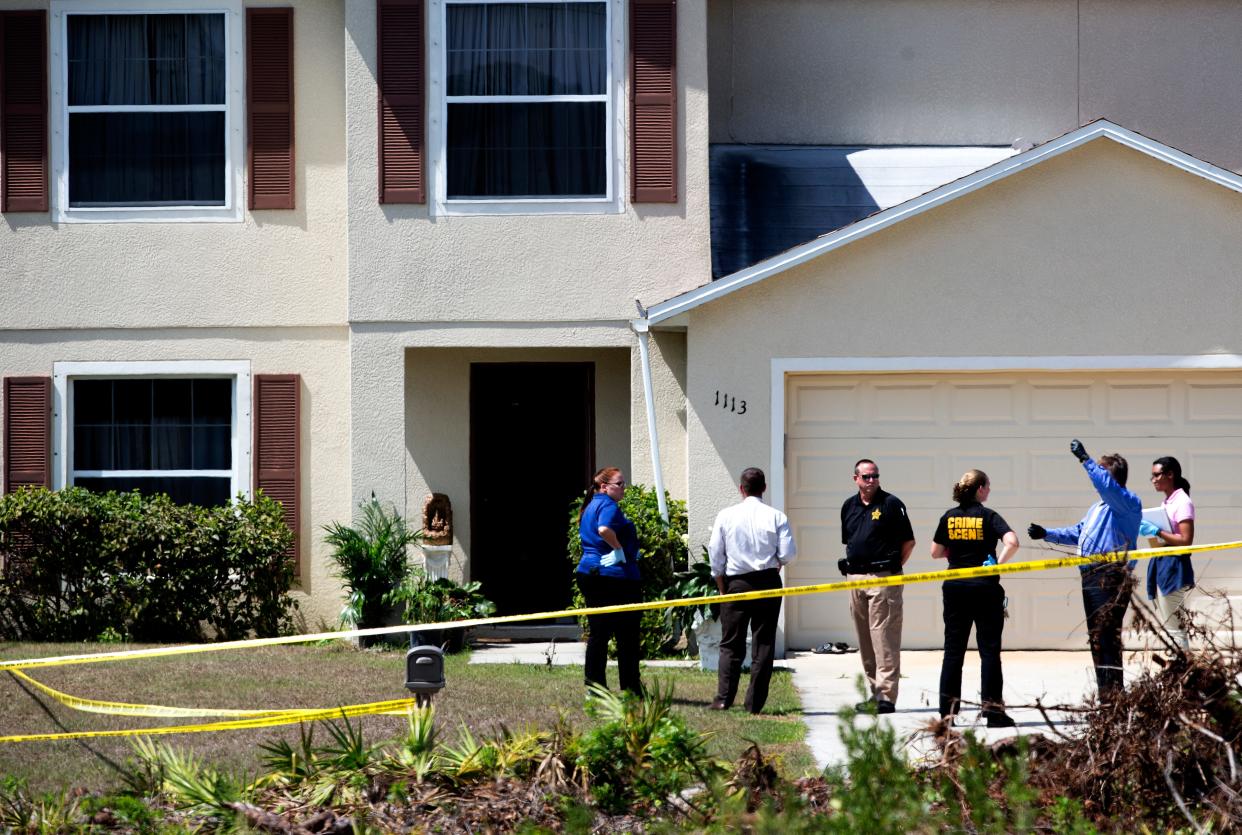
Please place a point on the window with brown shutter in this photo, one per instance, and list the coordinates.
(27, 432)
(269, 107)
(653, 101)
(277, 413)
(402, 109)
(23, 111)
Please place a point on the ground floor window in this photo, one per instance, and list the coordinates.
(155, 436)
(176, 435)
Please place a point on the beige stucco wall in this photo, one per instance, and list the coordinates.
(320, 355)
(961, 72)
(274, 268)
(406, 266)
(1101, 251)
(437, 423)
(668, 385)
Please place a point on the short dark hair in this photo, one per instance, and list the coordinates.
(862, 461)
(1116, 465)
(753, 481)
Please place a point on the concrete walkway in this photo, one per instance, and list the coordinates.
(825, 683)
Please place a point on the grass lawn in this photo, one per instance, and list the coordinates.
(481, 696)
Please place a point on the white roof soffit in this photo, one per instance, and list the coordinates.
(1101, 128)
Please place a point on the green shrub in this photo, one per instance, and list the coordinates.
(371, 561)
(81, 566)
(642, 752)
(662, 552)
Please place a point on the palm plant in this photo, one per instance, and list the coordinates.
(370, 561)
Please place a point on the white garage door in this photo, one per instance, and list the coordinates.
(925, 430)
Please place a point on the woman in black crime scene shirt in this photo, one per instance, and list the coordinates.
(967, 536)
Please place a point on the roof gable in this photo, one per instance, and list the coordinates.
(1100, 129)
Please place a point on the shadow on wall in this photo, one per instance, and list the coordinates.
(766, 199)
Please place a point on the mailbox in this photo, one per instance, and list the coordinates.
(424, 671)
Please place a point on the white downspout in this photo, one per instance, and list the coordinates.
(640, 328)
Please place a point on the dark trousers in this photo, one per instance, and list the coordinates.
(761, 617)
(981, 605)
(612, 591)
(1105, 596)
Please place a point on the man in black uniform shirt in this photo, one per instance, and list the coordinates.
(878, 539)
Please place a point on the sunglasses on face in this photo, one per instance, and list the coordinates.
(868, 477)
(1157, 476)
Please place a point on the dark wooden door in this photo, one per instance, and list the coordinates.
(532, 450)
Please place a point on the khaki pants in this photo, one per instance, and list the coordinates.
(1167, 605)
(877, 620)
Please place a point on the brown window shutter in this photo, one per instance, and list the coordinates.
(277, 416)
(23, 111)
(653, 101)
(269, 107)
(27, 432)
(402, 107)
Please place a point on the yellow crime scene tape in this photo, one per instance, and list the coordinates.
(267, 718)
(392, 706)
(157, 711)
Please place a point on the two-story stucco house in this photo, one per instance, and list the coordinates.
(336, 248)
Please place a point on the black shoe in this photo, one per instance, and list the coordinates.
(1000, 719)
(882, 706)
(718, 705)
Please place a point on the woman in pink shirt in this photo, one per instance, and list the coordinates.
(1169, 578)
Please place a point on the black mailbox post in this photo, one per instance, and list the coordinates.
(424, 672)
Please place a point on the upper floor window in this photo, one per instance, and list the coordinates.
(146, 122)
(528, 106)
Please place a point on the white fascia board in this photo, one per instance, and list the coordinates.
(937, 197)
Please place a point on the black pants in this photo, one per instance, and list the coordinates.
(612, 591)
(761, 617)
(980, 604)
(1105, 596)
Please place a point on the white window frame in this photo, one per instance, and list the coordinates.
(234, 118)
(437, 127)
(65, 373)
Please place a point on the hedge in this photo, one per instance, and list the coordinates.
(80, 566)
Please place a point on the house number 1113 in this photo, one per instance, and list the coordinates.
(727, 401)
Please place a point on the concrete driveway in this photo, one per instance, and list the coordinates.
(827, 682)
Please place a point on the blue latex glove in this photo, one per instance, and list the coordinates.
(617, 557)
(991, 560)
(1148, 529)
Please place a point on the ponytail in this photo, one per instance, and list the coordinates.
(968, 486)
(598, 480)
(1169, 464)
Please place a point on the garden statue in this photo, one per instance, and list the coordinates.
(437, 520)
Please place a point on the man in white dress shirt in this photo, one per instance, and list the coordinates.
(750, 543)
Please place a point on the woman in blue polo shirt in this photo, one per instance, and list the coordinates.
(608, 575)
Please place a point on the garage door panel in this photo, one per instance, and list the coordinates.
(816, 476)
(924, 430)
(904, 403)
(812, 407)
(1209, 403)
(1215, 475)
(1145, 403)
(991, 404)
(814, 619)
(1060, 405)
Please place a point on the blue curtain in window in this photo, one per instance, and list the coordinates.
(120, 159)
(528, 149)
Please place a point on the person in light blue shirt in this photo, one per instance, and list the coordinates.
(1110, 526)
